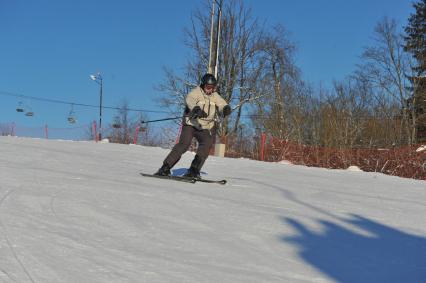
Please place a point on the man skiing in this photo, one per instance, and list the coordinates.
(203, 103)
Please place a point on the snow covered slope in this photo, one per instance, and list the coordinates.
(80, 212)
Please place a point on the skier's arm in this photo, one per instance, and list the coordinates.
(191, 100)
(222, 105)
(194, 110)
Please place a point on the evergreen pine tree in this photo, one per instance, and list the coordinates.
(416, 45)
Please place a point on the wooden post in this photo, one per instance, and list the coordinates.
(262, 147)
(94, 131)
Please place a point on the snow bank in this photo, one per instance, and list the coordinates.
(354, 168)
(285, 162)
(420, 149)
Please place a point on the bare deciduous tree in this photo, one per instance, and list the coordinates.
(386, 66)
(123, 127)
(239, 66)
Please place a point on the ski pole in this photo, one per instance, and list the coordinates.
(165, 119)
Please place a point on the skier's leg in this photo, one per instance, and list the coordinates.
(205, 141)
(181, 147)
(175, 154)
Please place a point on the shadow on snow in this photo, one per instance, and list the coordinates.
(387, 255)
(182, 171)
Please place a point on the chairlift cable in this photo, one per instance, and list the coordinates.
(97, 106)
(77, 104)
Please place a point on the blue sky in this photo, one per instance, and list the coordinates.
(49, 48)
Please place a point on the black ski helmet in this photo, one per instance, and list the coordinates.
(208, 79)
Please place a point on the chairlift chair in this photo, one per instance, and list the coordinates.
(143, 126)
(20, 107)
(71, 116)
(29, 112)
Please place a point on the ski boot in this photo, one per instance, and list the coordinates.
(192, 173)
(164, 171)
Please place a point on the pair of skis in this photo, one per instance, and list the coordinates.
(185, 179)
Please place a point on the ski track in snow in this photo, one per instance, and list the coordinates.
(9, 244)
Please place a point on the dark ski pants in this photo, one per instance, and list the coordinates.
(205, 141)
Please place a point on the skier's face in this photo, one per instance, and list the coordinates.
(208, 89)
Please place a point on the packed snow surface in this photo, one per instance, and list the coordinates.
(80, 212)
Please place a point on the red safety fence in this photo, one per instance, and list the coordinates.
(81, 132)
(406, 161)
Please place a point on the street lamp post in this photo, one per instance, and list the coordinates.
(98, 79)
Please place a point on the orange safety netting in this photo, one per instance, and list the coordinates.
(406, 161)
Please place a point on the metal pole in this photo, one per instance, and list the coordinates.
(165, 119)
(135, 138)
(100, 110)
(219, 16)
(210, 68)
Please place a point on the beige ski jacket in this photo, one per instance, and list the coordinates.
(210, 104)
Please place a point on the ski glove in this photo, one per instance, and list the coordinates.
(226, 110)
(197, 113)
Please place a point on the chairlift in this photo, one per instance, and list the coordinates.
(71, 116)
(20, 107)
(116, 123)
(29, 112)
(143, 126)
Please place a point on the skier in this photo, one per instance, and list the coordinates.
(203, 103)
